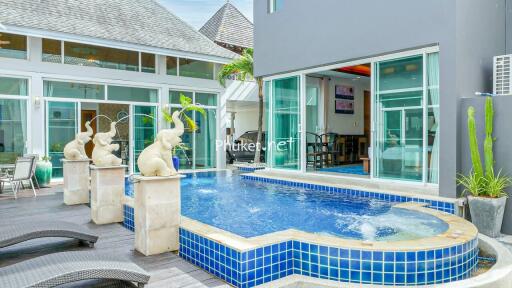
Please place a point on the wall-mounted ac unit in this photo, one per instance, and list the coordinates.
(503, 75)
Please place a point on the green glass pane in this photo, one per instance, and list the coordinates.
(73, 90)
(13, 46)
(206, 135)
(206, 99)
(103, 57)
(13, 127)
(196, 68)
(402, 99)
(52, 51)
(267, 91)
(172, 65)
(186, 155)
(121, 93)
(406, 73)
(144, 129)
(13, 86)
(286, 120)
(147, 62)
(62, 128)
(174, 96)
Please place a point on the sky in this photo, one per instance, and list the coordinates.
(197, 12)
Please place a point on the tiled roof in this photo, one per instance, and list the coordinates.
(229, 26)
(141, 22)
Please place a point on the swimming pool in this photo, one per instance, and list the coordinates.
(250, 230)
(250, 208)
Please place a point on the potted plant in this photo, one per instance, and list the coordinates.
(44, 169)
(186, 106)
(485, 188)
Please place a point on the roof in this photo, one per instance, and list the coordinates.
(229, 26)
(140, 22)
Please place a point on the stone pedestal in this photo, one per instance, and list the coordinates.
(107, 192)
(76, 182)
(157, 214)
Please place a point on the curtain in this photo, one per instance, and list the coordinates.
(433, 92)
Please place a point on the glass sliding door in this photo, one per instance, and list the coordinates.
(62, 125)
(433, 117)
(13, 129)
(144, 130)
(285, 117)
(399, 113)
(205, 156)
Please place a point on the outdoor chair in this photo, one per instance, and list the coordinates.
(22, 172)
(21, 232)
(35, 158)
(70, 267)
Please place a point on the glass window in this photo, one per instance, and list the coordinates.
(73, 90)
(400, 111)
(96, 56)
(13, 46)
(52, 51)
(196, 69)
(62, 127)
(275, 5)
(206, 99)
(285, 123)
(13, 129)
(206, 135)
(148, 62)
(144, 130)
(186, 155)
(433, 117)
(174, 96)
(13, 86)
(172, 65)
(121, 93)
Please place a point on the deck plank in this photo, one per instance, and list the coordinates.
(167, 270)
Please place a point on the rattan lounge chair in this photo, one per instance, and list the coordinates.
(21, 232)
(70, 267)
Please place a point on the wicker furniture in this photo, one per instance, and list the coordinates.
(69, 267)
(21, 232)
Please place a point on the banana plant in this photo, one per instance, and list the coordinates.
(186, 106)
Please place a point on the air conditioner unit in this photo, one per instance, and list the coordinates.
(503, 75)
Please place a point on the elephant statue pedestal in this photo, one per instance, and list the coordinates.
(107, 193)
(76, 181)
(157, 214)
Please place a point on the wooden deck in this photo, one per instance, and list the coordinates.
(167, 270)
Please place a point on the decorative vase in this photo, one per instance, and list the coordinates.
(176, 162)
(487, 214)
(44, 173)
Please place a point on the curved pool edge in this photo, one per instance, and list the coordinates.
(249, 262)
(459, 231)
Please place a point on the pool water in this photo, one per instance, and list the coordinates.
(251, 208)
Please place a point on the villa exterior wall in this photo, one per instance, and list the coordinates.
(306, 34)
(509, 26)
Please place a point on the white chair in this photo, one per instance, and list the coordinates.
(22, 172)
(35, 158)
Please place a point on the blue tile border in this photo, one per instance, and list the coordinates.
(437, 205)
(269, 263)
(250, 169)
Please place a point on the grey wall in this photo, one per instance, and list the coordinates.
(509, 26)
(502, 154)
(469, 33)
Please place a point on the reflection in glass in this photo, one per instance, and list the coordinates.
(13, 129)
(73, 90)
(144, 129)
(103, 57)
(196, 68)
(62, 128)
(52, 51)
(13, 46)
(122, 93)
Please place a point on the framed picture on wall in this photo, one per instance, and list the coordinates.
(344, 100)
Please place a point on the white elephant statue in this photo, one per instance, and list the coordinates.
(156, 159)
(75, 150)
(102, 154)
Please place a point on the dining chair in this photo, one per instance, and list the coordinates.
(22, 172)
(35, 158)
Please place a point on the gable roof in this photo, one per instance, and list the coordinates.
(139, 22)
(229, 26)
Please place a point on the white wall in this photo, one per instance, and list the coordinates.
(246, 120)
(341, 123)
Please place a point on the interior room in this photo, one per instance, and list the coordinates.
(338, 121)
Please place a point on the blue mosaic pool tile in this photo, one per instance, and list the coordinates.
(249, 169)
(269, 263)
(129, 218)
(437, 205)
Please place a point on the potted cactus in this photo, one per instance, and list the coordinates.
(44, 171)
(484, 187)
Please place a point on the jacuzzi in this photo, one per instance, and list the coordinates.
(249, 230)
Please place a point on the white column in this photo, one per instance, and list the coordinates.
(76, 182)
(157, 214)
(107, 193)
